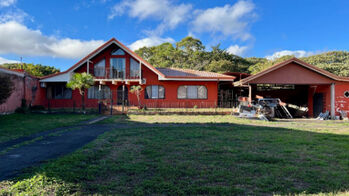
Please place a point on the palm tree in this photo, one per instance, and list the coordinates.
(81, 81)
(137, 91)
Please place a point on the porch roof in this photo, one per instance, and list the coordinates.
(292, 71)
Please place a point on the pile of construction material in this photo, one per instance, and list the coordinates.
(264, 109)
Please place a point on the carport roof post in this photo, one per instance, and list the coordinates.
(333, 89)
(249, 93)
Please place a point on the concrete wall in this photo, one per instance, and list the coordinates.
(24, 88)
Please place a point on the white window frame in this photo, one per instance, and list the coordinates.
(187, 87)
(151, 96)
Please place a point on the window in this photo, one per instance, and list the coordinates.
(134, 68)
(346, 94)
(192, 92)
(59, 92)
(99, 68)
(94, 92)
(118, 52)
(154, 92)
(117, 68)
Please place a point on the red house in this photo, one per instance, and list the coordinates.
(116, 68)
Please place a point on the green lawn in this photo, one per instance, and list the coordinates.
(244, 157)
(16, 125)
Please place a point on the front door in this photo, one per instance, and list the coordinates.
(120, 92)
(317, 104)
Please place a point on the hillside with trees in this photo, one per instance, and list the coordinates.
(33, 69)
(190, 53)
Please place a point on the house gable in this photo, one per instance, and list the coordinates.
(96, 54)
(292, 71)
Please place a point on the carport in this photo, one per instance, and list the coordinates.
(294, 82)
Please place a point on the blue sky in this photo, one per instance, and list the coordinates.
(60, 32)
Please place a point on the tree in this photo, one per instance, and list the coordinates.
(262, 65)
(81, 81)
(190, 44)
(6, 88)
(35, 70)
(190, 53)
(137, 91)
(220, 66)
(336, 62)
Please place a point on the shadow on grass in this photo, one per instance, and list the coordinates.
(190, 158)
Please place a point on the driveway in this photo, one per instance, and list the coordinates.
(44, 146)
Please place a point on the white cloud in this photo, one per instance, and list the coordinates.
(169, 14)
(15, 38)
(229, 20)
(7, 3)
(3, 60)
(296, 53)
(149, 41)
(14, 15)
(237, 50)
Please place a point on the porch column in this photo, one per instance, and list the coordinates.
(249, 94)
(333, 114)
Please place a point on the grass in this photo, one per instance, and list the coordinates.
(338, 127)
(180, 110)
(18, 125)
(244, 157)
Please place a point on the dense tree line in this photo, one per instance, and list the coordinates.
(35, 70)
(190, 53)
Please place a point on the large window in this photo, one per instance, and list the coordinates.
(99, 68)
(94, 92)
(117, 68)
(118, 52)
(192, 92)
(154, 92)
(134, 68)
(59, 92)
